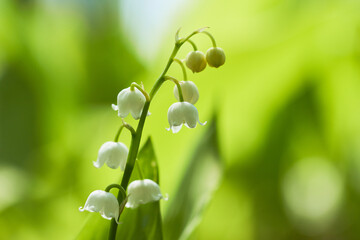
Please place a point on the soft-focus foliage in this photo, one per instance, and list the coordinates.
(196, 188)
(287, 103)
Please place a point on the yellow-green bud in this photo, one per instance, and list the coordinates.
(215, 57)
(196, 61)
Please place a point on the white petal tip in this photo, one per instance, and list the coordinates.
(174, 130)
(202, 124)
(107, 218)
(166, 197)
(112, 167)
(81, 209)
(114, 107)
(96, 164)
(129, 206)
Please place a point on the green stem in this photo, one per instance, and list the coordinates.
(192, 44)
(182, 67)
(181, 98)
(116, 139)
(211, 37)
(146, 95)
(128, 127)
(121, 189)
(161, 79)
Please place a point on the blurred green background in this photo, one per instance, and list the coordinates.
(287, 102)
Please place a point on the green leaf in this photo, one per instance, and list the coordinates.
(143, 222)
(95, 228)
(201, 179)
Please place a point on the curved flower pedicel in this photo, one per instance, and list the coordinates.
(142, 192)
(182, 113)
(189, 91)
(104, 203)
(130, 100)
(114, 154)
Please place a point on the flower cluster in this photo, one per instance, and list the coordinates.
(135, 101)
(184, 112)
(115, 154)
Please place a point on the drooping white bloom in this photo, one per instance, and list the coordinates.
(114, 154)
(142, 192)
(182, 113)
(129, 101)
(189, 91)
(104, 203)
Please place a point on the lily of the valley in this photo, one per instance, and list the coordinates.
(196, 61)
(104, 203)
(182, 113)
(114, 154)
(130, 100)
(189, 91)
(142, 192)
(215, 57)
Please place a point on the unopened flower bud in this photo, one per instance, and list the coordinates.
(189, 91)
(196, 61)
(215, 57)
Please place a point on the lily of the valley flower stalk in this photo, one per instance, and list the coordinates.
(136, 101)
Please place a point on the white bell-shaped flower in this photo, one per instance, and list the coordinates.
(189, 91)
(130, 101)
(104, 203)
(182, 113)
(142, 192)
(114, 154)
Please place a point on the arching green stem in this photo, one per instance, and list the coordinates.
(124, 125)
(146, 95)
(121, 189)
(182, 67)
(192, 44)
(182, 40)
(181, 98)
(116, 139)
(211, 37)
(128, 127)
